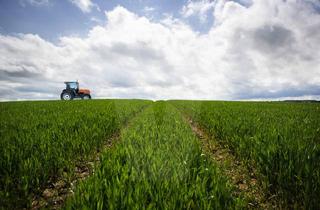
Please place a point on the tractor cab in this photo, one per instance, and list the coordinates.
(72, 91)
(72, 85)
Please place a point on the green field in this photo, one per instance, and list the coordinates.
(158, 162)
(280, 140)
(42, 140)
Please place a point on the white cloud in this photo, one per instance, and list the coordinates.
(268, 50)
(148, 9)
(84, 5)
(199, 8)
(36, 3)
(96, 20)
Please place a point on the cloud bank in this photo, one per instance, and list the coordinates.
(258, 50)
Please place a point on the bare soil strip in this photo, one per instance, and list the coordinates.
(245, 181)
(55, 193)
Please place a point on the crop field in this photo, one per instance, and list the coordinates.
(157, 165)
(280, 140)
(158, 162)
(41, 140)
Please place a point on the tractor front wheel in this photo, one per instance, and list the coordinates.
(66, 96)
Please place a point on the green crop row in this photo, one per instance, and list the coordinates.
(158, 164)
(279, 140)
(43, 140)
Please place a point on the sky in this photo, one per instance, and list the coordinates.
(161, 49)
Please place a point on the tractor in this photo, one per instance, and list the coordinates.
(72, 91)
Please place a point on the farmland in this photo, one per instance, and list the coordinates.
(280, 140)
(158, 161)
(157, 165)
(41, 140)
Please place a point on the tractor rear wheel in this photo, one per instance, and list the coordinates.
(66, 96)
(86, 97)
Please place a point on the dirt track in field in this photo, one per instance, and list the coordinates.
(56, 192)
(245, 181)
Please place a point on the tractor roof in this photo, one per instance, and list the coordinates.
(71, 82)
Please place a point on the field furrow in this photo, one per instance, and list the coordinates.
(43, 142)
(245, 181)
(278, 142)
(158, 164)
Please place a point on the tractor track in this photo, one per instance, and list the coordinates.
(245, 181)
(55, 193)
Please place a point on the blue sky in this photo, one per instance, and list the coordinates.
(162, 49)
(55, 18)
